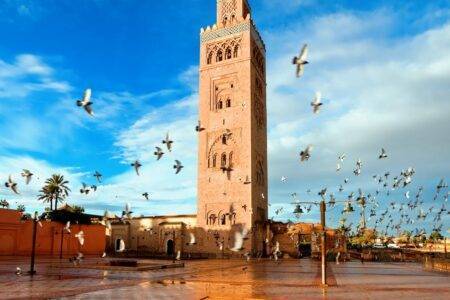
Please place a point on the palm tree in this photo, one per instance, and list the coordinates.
(54, 190)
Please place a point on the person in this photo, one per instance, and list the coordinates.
(362, 257)
(337, 257)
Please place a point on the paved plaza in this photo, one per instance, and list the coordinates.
(225, 279)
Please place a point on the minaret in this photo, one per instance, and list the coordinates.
(232, 158)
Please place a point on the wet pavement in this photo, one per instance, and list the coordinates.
(225, 279)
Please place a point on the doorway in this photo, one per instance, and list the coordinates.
(170, 248)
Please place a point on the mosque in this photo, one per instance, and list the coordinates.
(232, 156)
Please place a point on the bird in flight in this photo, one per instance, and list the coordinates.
(283, 179)
(342, 157)
(306, 154)
(178, 166)
(86, 102)
(84, 189)
(146, 195)
(301, 61)
(80, 237)
(12, 185)
(168, 142)
(136, 166)
(239, 240)
(27, 175)
(98, 176)
(158, 153)
(67, 227)
(316, 103)
(383, 154)
(199, 127)
(192, 239)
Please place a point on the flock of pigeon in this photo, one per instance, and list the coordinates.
(386, 220)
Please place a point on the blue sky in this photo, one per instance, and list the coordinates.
(382, 66)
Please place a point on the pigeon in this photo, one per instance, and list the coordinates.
(18, 271)
(192, 239)
(98, 176)
(67, 227)
(323, 193)
(199, 127)
(178, 166)
(168, 142)
(146, 195)
(338, 167)
(12, 185)
(341, 188)
(383, 154)
(346, 180)
(80, 237)
(239, 240)
(27, 175)
(84, 189)
(104, 255)
(76, 260)
(283, 179)
(94, 187)
(306, 154)
(357, 171)
(127, 212)
(136, 166)
(158, 153)
(316, 104)
(407, 195)
(301, 61)
(359, 163)
(86, 102)
(342, 157)
(442, 185)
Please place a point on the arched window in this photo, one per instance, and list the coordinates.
(236, 51)
(223, 220)
(223, 160)
(210, 57)
(228, 102)
(224, 139)
(225, 21)
(228, 53)
(220, 104)
(214, 160)
(219, 56)
(230, 159)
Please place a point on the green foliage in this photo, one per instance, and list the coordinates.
(78, 209)
(435, 236)
(21, 208)
(4, 203)
(55, 190)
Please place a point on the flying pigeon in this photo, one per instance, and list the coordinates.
(27, 175)
(199, 127)
(283, 179)
(306, 154)
(192, 239)
(301, 61)
(18, 271)
(86, 102)
(94, 187)
(67, 227)
(136, 166)
(178, 166)
(316, 103)
(80, 237)
(342, 157)
(383, 154)
(168, 142)
(145, 195)
(338, 167)
(84, 189)
(98, 176)
(158, 153)
(11, 185)
(239, 240)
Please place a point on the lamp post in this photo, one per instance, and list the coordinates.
(33, 248)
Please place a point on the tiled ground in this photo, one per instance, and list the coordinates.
(227, 279)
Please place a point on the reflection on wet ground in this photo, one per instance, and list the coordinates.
(225, 279)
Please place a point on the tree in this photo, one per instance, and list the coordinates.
(21, 208)
(55, 190)
(435, 236)
(78, 209)
(4, 203)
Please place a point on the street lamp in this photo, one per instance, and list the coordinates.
(33, 249)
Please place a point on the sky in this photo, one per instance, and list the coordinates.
(383, 68)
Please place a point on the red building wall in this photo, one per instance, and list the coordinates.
(16, 237)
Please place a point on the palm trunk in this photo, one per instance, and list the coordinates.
(51, 205)
(56, 203)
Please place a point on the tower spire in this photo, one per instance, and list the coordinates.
(230, 12)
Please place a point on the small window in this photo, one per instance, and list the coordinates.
(210, 57)
(223, 220)
(224, 140)
(220, 105)
(214, 160)
(230, 159)
(228, 53)
(228, 102)
(219, 56)
(236, 51)
(223, 161)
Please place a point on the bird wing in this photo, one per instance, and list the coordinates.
(87, 95)
(27, 179)
(88, 109)
(304, 52)
(300, 70)
(318, 97)
(14, 189)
